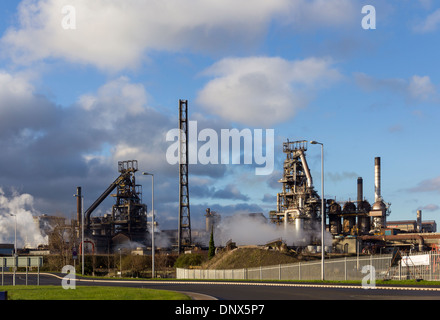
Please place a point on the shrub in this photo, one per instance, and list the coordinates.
(186, 260)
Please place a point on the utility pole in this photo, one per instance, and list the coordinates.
(153, 273)
(322, 211)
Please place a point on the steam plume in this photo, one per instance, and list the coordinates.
(19, 207)
(249, 230)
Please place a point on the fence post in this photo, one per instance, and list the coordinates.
(27, 268)
(430, 266)
(3, 269)
(400, 270)
(345, 268)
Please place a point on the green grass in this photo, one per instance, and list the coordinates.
(88, 293)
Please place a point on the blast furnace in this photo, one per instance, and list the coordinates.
(127, 221)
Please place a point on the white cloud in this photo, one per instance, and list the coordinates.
(14, 85)
(421, 87)
(306, 14)
(114, 35)
(115, 100)
(430, 24)
(78, 144)
(22, 112)
(417, 88)
(427, 185)
(370, 83)
(262, 91)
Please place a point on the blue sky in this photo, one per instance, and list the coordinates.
(74, 102)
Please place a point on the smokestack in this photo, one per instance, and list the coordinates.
(377, 195)
(208, 220)
(419, 220)
(78, 206)
(360, 193)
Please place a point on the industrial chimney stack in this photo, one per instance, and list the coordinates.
(419, 220)
(377, 195)
(360, 192)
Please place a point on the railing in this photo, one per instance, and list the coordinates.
(349, 268)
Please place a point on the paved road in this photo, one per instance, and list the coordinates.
(253, 290)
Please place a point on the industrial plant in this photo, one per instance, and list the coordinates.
(353, 226)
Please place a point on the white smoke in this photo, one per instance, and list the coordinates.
(251, 230)
(17, 210)
(161, 240)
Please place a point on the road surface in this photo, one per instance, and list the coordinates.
(252, 290)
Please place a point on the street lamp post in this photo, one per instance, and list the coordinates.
(82, 232)
(152, 222)
(120, 262)
(322, 209)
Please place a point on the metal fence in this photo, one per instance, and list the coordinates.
(7, 263)
(349, 268)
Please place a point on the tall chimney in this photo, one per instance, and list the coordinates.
(360, 192)
(78, 206)
(419, 220)
(377, 195)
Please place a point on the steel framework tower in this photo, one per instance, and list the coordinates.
(184, 231)
(298, 203)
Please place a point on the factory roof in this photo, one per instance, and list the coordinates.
(402, 222)
(410, 222)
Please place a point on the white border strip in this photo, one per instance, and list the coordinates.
(304, 285)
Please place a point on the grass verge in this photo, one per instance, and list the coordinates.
(89, 293)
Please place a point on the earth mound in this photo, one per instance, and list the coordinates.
(250, 257)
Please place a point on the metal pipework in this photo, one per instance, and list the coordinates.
(306, 169)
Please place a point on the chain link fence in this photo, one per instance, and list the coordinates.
(416, 266)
